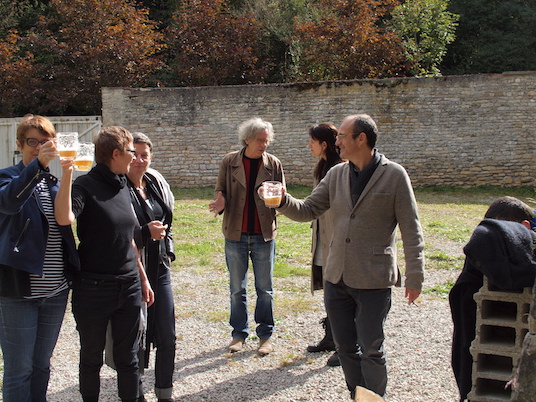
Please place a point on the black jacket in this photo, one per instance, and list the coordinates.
(503, 251)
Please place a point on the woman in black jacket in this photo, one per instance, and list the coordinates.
(153, 203)
(112, 283)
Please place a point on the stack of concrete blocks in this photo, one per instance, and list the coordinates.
(501, 325)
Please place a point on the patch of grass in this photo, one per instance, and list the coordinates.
(479, 191)
(291, 358)
(217, 315)
(439, 259)
(284, 269)
(454, 231)
(290, 303)
(441, 290)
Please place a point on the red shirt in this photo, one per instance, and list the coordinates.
(251, 167)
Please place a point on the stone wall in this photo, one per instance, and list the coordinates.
(456, 130)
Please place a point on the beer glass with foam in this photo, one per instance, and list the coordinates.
(84, 157)
(67, 145)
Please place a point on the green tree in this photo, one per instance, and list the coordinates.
(493, 36)
(277, 18)
(426, 28)
(20, 15)
(209, 45)
(346, 39)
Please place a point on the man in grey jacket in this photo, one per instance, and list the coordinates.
(368, 196)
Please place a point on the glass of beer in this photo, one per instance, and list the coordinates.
(67, 144)
(84, 157)
(272, 193)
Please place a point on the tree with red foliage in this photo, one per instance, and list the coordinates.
(16, 74)
(84, 45)
(346, 39)
(208, 45)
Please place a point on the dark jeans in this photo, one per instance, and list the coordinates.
(164, 336)
(29, 329)
(357, 317)
(95, 303)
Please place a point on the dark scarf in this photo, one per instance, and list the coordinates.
(107, 176)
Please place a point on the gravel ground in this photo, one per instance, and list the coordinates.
(418, 350)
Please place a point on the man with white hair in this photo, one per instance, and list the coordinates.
(249, 228)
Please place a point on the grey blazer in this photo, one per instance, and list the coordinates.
(363, 244)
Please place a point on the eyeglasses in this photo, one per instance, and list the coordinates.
(132, 151)
(341, 136)
(33, 142)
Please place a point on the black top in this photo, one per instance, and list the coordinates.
(359, 180)
(105, 223)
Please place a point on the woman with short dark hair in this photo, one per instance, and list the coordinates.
(112, 283)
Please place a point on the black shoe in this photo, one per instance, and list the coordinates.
(322, 346)
(333, 361)
(326, 344)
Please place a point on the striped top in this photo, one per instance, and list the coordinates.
(53, 280)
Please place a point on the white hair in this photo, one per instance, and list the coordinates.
(250, 128)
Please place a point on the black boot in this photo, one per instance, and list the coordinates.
(326, 344)
(333, 361)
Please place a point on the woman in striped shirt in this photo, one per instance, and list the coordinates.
(37, 257)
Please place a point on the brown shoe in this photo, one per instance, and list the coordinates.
(265, 347)
(236, 345)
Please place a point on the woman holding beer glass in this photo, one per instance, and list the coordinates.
(112, 283)
(36, 259)
(153, 203)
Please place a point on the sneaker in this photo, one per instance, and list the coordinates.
(236, 345)
(265, 347)
(333, 361)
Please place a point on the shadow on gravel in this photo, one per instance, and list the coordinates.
(257, 385)
(253, 386)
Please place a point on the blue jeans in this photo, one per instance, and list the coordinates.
(357, 317)
(96, 302)
(262, 254)
(164, 336)
(29, 329)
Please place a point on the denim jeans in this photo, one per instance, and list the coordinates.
(164, 337)
(95, 303)
(357, 317)
(262, 254)
(29, 329)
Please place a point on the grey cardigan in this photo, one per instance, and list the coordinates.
(363, 244)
